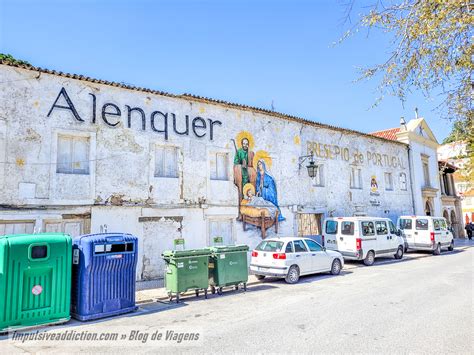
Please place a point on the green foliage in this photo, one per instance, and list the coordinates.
(461, 131)
(432, 52)
(8, 58)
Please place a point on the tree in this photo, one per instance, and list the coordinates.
(432, 52)
(460, 132)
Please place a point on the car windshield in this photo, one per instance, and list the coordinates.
(270, 245)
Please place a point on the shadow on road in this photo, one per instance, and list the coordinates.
(305, 279)
(409, 256)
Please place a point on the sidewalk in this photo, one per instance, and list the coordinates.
(154, 291)
(159, 294)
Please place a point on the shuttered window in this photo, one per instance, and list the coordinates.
(73, 155)
(166, 162)
(219, 166)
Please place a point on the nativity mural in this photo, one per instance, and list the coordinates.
(257, 190)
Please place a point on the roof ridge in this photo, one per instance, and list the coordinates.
(384, 130)
(193, 97)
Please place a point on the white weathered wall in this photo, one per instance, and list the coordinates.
(122, 164)
(417, 150)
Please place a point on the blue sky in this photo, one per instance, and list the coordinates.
(249, 51)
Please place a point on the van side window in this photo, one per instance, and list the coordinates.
(331, 227)
(347, 228)
(422, 224)
(368, 228)
(406, 224)
(436, 225)
(289, 248)
(381, 227)
(393, 230)
(443, 225)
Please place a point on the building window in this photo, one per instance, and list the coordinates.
(219, 166)
(16, 227)
(388, 181)
(166, 162)
(403, 181)
(356, 178)
(318, 179)
(426, 170)
(220, 232)
(73, 155)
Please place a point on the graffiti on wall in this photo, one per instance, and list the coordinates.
(257, 188)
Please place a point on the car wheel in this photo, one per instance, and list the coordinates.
(260, 277)
(437, 251)
(399, 253)
(336, 267)
(370, 258)
(451, 246)
(293, 275)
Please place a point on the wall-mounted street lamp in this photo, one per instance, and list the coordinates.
(311, 167)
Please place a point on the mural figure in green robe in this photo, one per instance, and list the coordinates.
(244, 171)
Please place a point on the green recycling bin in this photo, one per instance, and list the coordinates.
(228, 267)
(35, 280)
(186, 270)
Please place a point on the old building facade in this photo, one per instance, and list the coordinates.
(423, 161)
(79, 155)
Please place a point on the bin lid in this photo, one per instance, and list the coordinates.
(185, 253)
(229, 248)
(104, 238)
(38, 237)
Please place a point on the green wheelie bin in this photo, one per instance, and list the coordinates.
(35, 280)
(186, 270)
(228, 267)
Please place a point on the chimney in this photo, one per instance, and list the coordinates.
(403, 124)
(416, 112)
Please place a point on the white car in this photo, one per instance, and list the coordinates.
(425, 233)
(290, 257)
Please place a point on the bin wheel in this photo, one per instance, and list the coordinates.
(236, 287)
(245, 286)
(197, 293)
(213, 290)
(219, 291)
(205, 294)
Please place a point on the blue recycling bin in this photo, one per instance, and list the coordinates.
(103, 275)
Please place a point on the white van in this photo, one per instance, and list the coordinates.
(425, 233)
(363, 238)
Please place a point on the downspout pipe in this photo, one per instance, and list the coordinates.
(410, 167)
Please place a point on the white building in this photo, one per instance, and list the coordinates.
(458, 155)
(81, 155)
(423, 163)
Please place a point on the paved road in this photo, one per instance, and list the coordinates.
(421, 305)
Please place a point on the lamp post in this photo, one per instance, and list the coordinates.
(311, 167)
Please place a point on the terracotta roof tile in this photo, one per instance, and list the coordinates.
(390, 133)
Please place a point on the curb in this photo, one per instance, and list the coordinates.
(166, 298)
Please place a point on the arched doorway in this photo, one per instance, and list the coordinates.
(428, 209)
(454, 224)
(446, 216)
